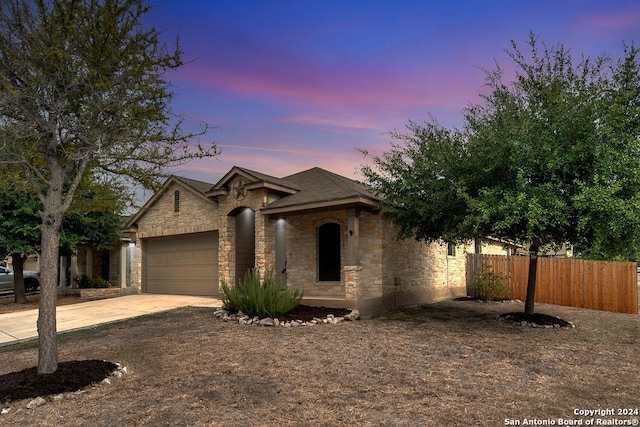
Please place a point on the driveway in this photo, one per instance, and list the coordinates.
(22, 325)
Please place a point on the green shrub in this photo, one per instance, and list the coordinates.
(257, 296)
(86, 282)
(489, 285)
(99, 282)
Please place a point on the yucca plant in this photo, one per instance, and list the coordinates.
(260, 296)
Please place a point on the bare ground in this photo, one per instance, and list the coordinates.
(445, 364)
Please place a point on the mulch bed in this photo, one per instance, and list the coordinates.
(536, 319)
(523, 319)
(307, 313)
(69, 377)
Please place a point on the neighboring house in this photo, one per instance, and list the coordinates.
(31, 263)
(492, 246)
(316, 230)
(108, 264)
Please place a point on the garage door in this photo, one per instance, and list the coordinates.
(184, 265)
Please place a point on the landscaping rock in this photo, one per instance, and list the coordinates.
(267, 321)
(243, 319)
(35, 403)
(536, 320)
(354, 315)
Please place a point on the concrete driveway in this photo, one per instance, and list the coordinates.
(22, 325)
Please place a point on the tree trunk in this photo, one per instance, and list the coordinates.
(48, 344)
(533, 274)
(20, 296)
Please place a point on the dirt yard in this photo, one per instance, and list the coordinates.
(446, 364)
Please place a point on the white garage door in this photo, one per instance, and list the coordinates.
(183, 265)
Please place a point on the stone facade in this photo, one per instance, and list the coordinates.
(377, 272)
(418, 273)
(196, 214)
(93, 293)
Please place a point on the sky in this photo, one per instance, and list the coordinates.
(289, 85)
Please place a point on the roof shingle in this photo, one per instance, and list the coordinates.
(319, 185)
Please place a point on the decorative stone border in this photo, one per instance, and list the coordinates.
(543, 321)
(119, 372)
(243, 319)
(90, 293)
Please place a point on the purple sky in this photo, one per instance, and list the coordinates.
(290, 85)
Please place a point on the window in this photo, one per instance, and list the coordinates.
(176, 201)
(451, 249)
(329, 252)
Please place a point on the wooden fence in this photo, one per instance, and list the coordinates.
(598, 285)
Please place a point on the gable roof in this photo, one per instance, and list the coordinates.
(197, 187)
(314, 188)
(321, 188)
(254, 180)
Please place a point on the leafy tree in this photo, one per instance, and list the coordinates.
(94, 216)
(92, 220)
(553, 157)
(19, 230)
(82, 86)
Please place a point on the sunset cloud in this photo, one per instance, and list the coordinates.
(292, 85)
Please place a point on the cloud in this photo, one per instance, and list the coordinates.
(611, 22)
(344, 161)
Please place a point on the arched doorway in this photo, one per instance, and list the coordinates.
(245, 241)
(329, 261)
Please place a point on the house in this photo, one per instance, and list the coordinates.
(316, 230)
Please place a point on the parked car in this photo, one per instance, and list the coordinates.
(31, 280)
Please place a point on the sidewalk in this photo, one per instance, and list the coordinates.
(22, 325)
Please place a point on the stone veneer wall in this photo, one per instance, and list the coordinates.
(423, 273)
(372, 249)
(417, 273)
(302, 255)
(92, 293)
(199, 215)
(302, 252)
(196, 215)
(255, 200)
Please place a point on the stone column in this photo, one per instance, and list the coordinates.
(352, 267)
(134, 278)
(73, 271)
(63, 271)
(123, 264)
(262, 249)
(353, 237)
(352, 282)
